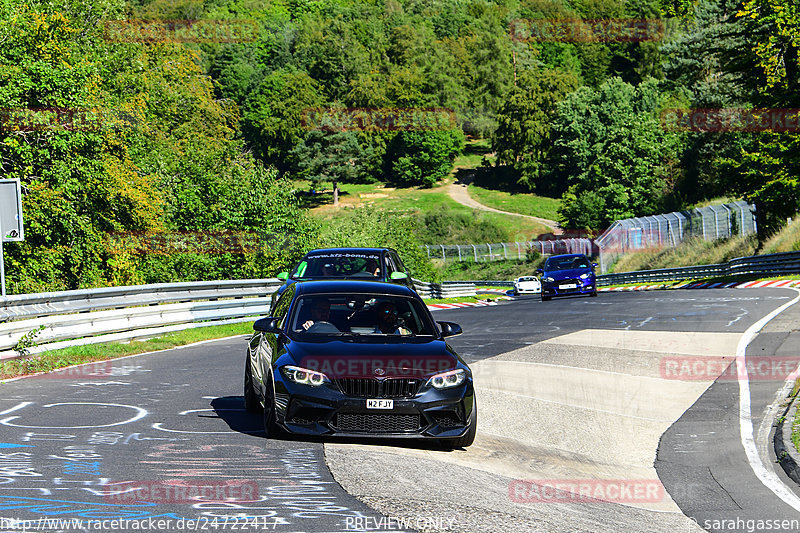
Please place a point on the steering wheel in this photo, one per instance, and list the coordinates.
(323, 327)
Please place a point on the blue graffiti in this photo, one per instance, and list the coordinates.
(101, 511)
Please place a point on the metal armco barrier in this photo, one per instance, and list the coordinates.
(771, 264)
(446, 289)
(87, 316)
(118, 313)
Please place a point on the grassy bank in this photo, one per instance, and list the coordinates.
(52, 360)
(690, 253)
(492, 271)
(522, 203)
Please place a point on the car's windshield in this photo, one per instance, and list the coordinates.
(566, 263)
(339, 265)
(360, 314)
(529, 278)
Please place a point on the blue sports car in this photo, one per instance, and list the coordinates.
(566, 275)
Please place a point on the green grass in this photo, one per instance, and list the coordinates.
(489, 271)
(522, 203)
(427, 201)
(786, 240)
(474, 152)
(52, 360)
(690, 253)
(462, 299)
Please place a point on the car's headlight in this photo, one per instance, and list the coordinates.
(303, 376)
(586, 275)
(445, 380)
(548, 279)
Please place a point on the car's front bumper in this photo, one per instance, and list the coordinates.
(557, 288)
(326, 410)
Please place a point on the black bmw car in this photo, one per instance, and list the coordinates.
(374, 264)
(356, 359)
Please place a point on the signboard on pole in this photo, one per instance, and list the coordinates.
(11, 211)
(11, 228)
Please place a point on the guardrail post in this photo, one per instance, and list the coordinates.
(505, 254)
(458, 247)
(490, 251)
(443, 256)
(475, 251)
(427, 249)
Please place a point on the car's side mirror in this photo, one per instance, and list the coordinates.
(267, 325)
(283, 276)
(594, 264)
(450, 329)
(397, 276)
(539, 271)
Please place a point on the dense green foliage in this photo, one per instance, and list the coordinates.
(202, 137)
(148, 151)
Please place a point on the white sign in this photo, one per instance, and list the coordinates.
(11, 210)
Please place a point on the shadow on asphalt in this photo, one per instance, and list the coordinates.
(231, 410)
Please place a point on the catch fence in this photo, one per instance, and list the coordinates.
(668, 230)
(505, 251)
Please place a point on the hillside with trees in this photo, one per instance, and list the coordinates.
(196, 137)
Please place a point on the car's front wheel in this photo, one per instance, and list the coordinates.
(271, 429)
(250, 398)
(545, 298)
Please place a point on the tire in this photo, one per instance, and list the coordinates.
(250, 398)
(469, 437)
(594, 294)
(545, 298)
(271, 429)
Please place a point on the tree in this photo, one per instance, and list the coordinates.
(612, 154)
(332, 156)
(522, 139)
(275, 114)
(423, 157)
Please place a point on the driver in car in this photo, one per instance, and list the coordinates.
(320, 312)
(387, 320)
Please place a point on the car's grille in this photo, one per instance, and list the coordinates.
(377, 423)
(374, 388)
(447, 420)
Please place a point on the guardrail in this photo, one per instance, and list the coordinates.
(771, 264)
(446, 289)
(55, 320)
(58, 319)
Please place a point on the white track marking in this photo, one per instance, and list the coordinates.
(766, 475)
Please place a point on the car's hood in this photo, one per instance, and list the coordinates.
(367, 356)
(567, 274)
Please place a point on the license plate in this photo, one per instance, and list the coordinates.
(568, 286)
(380, 404)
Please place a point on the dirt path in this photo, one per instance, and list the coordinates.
(458, 191)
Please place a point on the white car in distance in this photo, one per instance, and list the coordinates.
(527, 285)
